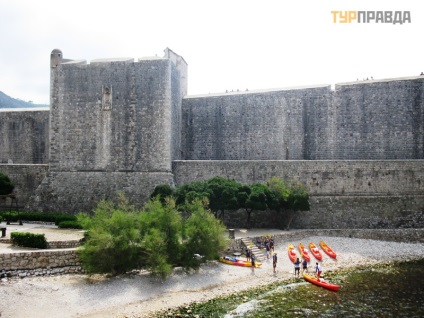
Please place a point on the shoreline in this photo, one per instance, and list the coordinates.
(288, 282)
(141, 295)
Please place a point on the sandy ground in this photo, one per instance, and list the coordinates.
(139, 294)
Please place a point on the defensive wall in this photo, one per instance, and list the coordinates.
(367, 120)
(125, 125)
(24, 136)
(344, 194)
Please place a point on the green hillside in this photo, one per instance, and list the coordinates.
(9, 102)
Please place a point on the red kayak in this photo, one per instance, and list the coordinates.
(292, 253)
(327, 249)
(237, 262)
(304, 253)
(320, 282)
(315, 251)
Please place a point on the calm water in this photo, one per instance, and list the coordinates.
(395, 290)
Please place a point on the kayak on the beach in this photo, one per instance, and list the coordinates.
(315, 251)
(327, 249)
(292, 253)
(304, 253)
(237, 262)
(320, 282)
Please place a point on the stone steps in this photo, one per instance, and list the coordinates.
(259, 255)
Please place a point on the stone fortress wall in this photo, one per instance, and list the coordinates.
(24, 136)
(119, 125)
(370, 120)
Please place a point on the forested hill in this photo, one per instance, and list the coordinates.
(9, 102)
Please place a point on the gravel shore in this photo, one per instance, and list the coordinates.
(139, 295)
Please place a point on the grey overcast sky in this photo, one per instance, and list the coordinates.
(228, 45)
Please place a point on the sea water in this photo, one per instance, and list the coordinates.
(395, 290)
(390, 290)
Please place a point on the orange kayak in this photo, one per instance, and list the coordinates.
(292, 253)
(304, 253)
(320, 282)
(327, 249)
(315, 251)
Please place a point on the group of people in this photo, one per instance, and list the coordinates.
(268, 243)
(318, 268)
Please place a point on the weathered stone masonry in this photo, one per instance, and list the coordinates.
(119, 125)
(40, 263)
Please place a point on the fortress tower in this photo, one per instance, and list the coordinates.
(115, 124)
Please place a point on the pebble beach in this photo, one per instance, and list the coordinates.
(140, 295)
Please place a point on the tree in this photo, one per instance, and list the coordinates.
(191, 191)
(203, 235)
(298, 200)
(120, 238)
(6, 186)
(161, 224)
(260, 198)
(223, 195)
(289, 198)
(112, 240)
(162, 191)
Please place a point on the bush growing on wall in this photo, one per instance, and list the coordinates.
(26, 239)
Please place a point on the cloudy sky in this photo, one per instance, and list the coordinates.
(227, 44)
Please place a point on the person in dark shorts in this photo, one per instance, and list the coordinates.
(253, 262)
(297, 267)
(274, 260)
(304, 266)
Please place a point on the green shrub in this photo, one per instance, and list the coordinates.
(13, 216)
(156, 238)
(1, 219)
(59, 218)
(69, 225)
(9, 216)
(6, 186)
(26, 239)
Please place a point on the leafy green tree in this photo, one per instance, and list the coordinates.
(162, 191)
(6, 186)
(191, 191)
(203, 234)
(112, 240)
(298, 200)
(165, 221)
(120, 238)
(289, 198)
(223, 195)
(260, 198)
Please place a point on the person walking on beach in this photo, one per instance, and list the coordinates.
(304, 266)
(267, 249)
(318, 270)
(253, 262)
(297, 267)
(274, 260)
(248, 254)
